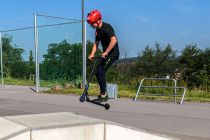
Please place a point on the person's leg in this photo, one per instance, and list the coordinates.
(103, 66)
(109, 62)
(100, 75)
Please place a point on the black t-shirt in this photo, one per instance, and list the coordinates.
(104, 35)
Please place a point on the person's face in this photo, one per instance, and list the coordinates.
(94, 25)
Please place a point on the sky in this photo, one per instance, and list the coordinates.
(137, 23)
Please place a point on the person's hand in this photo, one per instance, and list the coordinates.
(104, 55)
(91, 57)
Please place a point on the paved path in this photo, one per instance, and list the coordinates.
(190, 121)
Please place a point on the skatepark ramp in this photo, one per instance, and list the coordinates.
(68, 126)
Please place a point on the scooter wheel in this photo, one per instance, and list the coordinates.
(82, 98)
(107, 106)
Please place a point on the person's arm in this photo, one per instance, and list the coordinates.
(113, 41)
(94, 49)
(111, 44)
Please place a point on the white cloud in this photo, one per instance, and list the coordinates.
(141, 19)
(186, 9)
(145, 20)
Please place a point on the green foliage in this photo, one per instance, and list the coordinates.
(195, 64)
(59, 62)
(21, 81)
(13, 63)
(159, 61)
(89, 64)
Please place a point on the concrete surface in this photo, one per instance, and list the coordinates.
(44, 121)
(8, 127)
(68, 126)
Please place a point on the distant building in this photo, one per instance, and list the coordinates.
(125, 64)
(130, 60)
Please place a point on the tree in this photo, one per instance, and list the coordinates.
(12, 58)
(158, 61)
(195, 64)
(63, 61)
(189, 61)
(31, 67)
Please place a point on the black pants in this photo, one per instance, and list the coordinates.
(101, 69)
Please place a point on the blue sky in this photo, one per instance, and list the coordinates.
(137, 23)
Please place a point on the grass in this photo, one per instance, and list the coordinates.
(25, 82)
(124, 92)
(93, 90)
(197, 96)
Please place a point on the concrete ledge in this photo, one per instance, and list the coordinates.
(114, 132)
(53, 120)
(87, 132)
(23, 136)
(9, 129)
(68, 126)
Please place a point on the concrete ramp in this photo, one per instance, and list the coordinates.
(13, 131)
(68, 126)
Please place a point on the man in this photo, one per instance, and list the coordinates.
(104, 34)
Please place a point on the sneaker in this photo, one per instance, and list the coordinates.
(103, 98)
(99, 96)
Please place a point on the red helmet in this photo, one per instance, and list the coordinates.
(94, 16)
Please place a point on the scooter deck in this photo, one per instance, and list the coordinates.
(99, 103)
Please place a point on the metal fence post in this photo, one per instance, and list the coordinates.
(2, 74)
(84, 45)
(36, 52)
(175, 85)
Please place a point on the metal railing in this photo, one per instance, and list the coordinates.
(170, 87)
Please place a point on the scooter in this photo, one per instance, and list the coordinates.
(84, 97)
